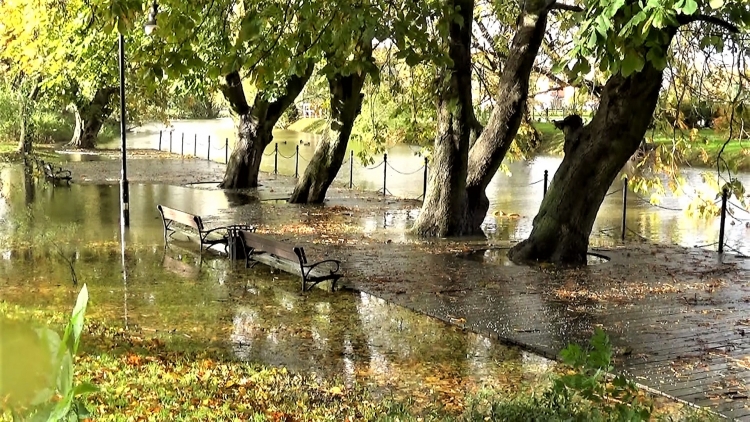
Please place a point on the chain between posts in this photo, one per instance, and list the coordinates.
(724, 197)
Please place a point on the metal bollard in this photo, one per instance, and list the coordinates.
(182, 147)
(195, 146)
(170, 141)
(296, 162)
(208, 155)
(424, 181)
(724, 197)
(351, 169)
(624, 206)
(226, 151)
(385, 172)
(160, 140)
(276, 159)
(546, 177)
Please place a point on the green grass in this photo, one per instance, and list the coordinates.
(699, 151)
(313, 125)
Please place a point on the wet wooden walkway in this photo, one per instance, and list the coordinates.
(679, 319)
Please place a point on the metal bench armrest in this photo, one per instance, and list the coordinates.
(309, 268)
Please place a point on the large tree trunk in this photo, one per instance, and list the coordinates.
(594, 154)
(488, 152)
(90, 118)
(445, 202)
(346, 104)
(255, 128)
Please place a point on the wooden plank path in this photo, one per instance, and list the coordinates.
(679, 320)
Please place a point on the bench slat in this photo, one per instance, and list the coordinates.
(271, 246)
(181, 217)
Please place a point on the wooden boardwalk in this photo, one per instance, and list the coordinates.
(679, 319)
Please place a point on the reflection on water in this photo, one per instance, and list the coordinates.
(499, 256)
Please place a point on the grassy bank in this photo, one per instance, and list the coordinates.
(312, 125)
(700, 148)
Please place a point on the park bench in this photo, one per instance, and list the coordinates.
(286, 257)
(175, 220)
(53, 172)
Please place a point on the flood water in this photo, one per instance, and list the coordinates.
(259, 316)
(514, 199)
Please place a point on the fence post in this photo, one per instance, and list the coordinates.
(724, 197)
(624, 206)
(195, 146)
(385, 171)
(159, 140)
(424, 181)
(226, 150)
(208, 154)
(170, 141)
(351, 169)
(546, 177)
(296, 162)
(546, 110)
(276, 159)
(182, 147)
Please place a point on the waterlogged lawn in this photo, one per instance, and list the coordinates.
(171, 336)
(173, 339)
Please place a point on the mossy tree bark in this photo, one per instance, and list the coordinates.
(594, 154)
(254, 131)
(443, 210)
(90, 117)
(346, 104)
(488, 152)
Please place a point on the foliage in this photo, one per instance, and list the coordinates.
(589, 381)
(622, 35)
(62, 397)
(290, 116)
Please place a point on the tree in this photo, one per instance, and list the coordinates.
(445, 201)
(487, 153)
(71, 49)
(631, 40)
(345, 86)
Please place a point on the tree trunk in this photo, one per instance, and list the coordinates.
(255, 129)
(27, 124)
(346, 104)
(594, 154)
(445, 202)
(489, 150)
(90, 118)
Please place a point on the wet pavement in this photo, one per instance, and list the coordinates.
(676, 316)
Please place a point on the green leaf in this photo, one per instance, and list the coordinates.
(690, 7)
(84, 388)
(65, 378)
(632, 63)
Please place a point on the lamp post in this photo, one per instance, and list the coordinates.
(124, 188)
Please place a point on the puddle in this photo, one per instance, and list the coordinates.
(499, 256)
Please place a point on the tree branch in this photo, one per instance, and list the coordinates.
(685, 19)
(567, 7)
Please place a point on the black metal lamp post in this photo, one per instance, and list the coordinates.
(124, 188)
